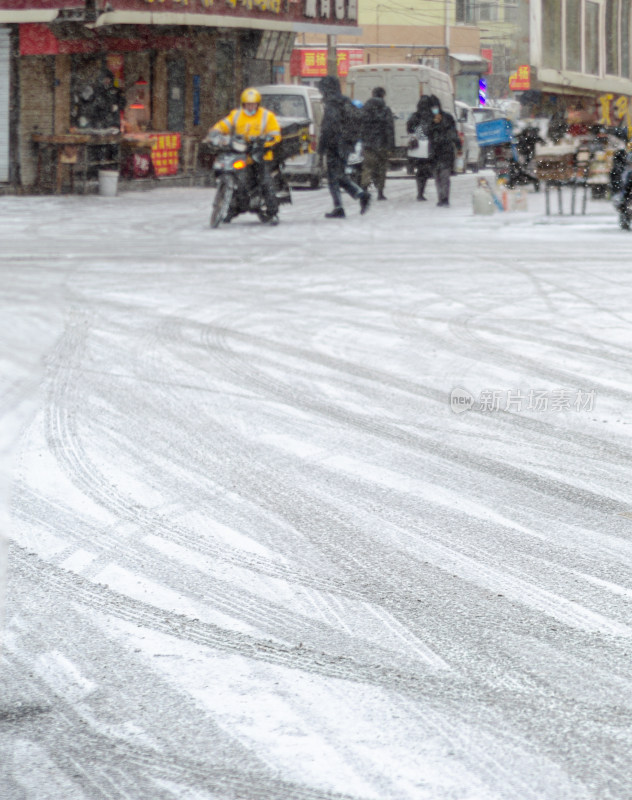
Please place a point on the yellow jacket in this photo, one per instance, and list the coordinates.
(262, 123)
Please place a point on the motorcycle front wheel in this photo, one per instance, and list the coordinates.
(221, 202)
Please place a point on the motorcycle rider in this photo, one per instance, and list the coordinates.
(252, 121)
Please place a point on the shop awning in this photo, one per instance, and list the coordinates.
(470, 62)
(28, 15)
(38, 10)
(131, 17)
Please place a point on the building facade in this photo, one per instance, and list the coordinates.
(570, 56)
(427, 32)
(183, 63)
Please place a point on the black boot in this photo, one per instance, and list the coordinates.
(337, 213)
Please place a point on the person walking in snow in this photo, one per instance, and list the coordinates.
(444, 142)
(418, 124)
(377, 132)
(335, 145)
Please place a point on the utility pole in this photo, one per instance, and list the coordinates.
(332, 56)
(446, 35)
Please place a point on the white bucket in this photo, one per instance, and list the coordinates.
(483, 201)
(108, 182)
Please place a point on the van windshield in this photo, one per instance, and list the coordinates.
(285, 105)
(483, 114)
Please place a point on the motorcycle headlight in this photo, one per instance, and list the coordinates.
(239, 164)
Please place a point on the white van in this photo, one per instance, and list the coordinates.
(293, 104)
(404, 85)
(466, 126)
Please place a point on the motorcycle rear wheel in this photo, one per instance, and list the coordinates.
(221, 203)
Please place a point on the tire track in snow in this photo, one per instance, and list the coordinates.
(232, 360)
(545, 602)
(101, 599)
(251, 610)
(110, 768)
(375, 380)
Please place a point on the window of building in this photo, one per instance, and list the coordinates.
(487, 12)
(552, 35)
(589, 36)
(502, 60)
(511, 12)
(591, 39)
(465, 11)
(612, 37)
(574, 35)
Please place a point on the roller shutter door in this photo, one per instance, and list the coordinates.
(4, 104)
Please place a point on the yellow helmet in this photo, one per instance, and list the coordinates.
(250, 96)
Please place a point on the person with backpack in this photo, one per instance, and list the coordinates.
(377, 132)
(340, 129)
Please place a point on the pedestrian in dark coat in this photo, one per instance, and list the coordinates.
(526, 142)
(335, 145)
(108, 103)
(377, 132)
(444, 142)
(419, 122)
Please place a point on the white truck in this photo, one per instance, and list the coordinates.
(404, 85)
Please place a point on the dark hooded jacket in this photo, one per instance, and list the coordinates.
(422, 117)
(443, 138)
(331, 130)
(377, 129)
(108, 103)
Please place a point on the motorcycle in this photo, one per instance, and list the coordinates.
(621, 186)
(238, 190)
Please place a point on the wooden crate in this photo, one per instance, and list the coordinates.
(555, 167)
(295, 140)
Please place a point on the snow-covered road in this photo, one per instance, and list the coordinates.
(337, 509)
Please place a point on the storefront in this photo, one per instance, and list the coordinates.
(572, 62)
(175, 68)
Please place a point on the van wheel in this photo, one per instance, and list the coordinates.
(314, 182)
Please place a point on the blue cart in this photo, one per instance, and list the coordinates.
(494, 132)
(496, 139)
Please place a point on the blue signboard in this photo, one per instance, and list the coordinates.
(494, 131)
